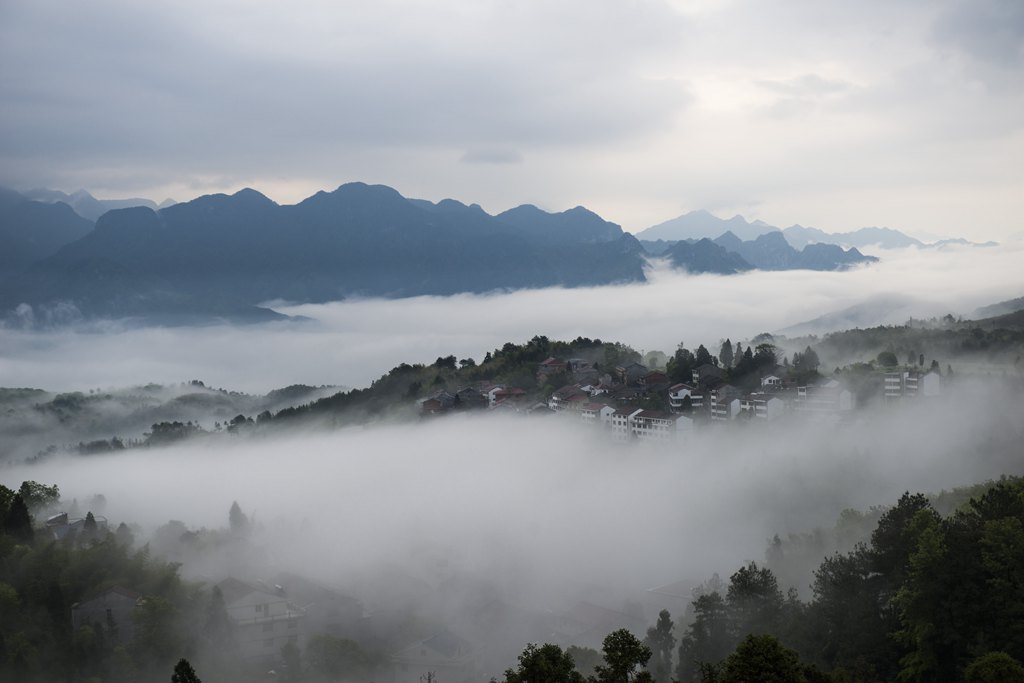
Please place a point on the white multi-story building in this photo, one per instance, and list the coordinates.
(763, 406)
(911, 384)
(651, 425)
(828, 397)
(725, 403)
(597, 413)
(262, 620)
(620, 423)
(678, 393)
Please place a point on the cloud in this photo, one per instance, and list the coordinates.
(541, 511)
(492, 156)
(209, 92)
(991, 31)
(638, 110)
(808, 85)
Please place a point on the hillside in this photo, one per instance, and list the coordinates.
(31, 230)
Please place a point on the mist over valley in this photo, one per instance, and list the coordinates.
(675, 341)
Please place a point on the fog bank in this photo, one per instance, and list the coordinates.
(353, 342)
(543, 508)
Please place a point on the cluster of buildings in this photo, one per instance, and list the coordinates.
(634, 402)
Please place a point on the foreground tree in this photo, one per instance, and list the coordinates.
(544, 664)
(662, 642)
(994, 667)
(623, 655)
(18, 522)
(184, 673)
(762, 659)
(707, 641)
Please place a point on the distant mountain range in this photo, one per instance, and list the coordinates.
(728, 254)
(220, 256)
(999, 309)
(87, 206)
(699, 224)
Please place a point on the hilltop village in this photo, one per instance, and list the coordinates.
(633, 401)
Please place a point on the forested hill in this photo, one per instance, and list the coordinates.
(220, 255)
(923, 596)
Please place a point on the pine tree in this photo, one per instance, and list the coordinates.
(725, 354)
(184, 673)
(662, 643)
(18, 522)
(237, 519)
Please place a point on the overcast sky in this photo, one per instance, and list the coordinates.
(834, 114)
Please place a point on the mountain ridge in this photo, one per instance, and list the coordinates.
(221, 255)
(700, 223)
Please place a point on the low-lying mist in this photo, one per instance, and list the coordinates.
(353, 342)
(541, 508)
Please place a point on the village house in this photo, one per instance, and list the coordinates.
(262, 619)
(549, 367)
(911, 384)
(597, 414)
(505, 396)
(437, 403)
(569, 397)
(60, 526)
(620, 423)
(763, 406)
(725, 403)
(655, 380)
(653, 425)
(631, 373)
(326, 611)
(827, 397)
(703, 374)
(678, 393)
(469, 398)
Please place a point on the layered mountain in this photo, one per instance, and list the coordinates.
(699, 224)
(220, 256)
(704, 256)
(31, 230)
(87, 206)
(887, 238)
(772, 251)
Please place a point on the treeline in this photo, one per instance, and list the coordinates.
(742, 367)
(947, 339)
(927, 598)
(42, 578)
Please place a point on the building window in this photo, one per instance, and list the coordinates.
(292, 623)
(293, 638)
(259, 608)
(269, 626)
(269, 642)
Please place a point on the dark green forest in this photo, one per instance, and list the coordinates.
(929, 596)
